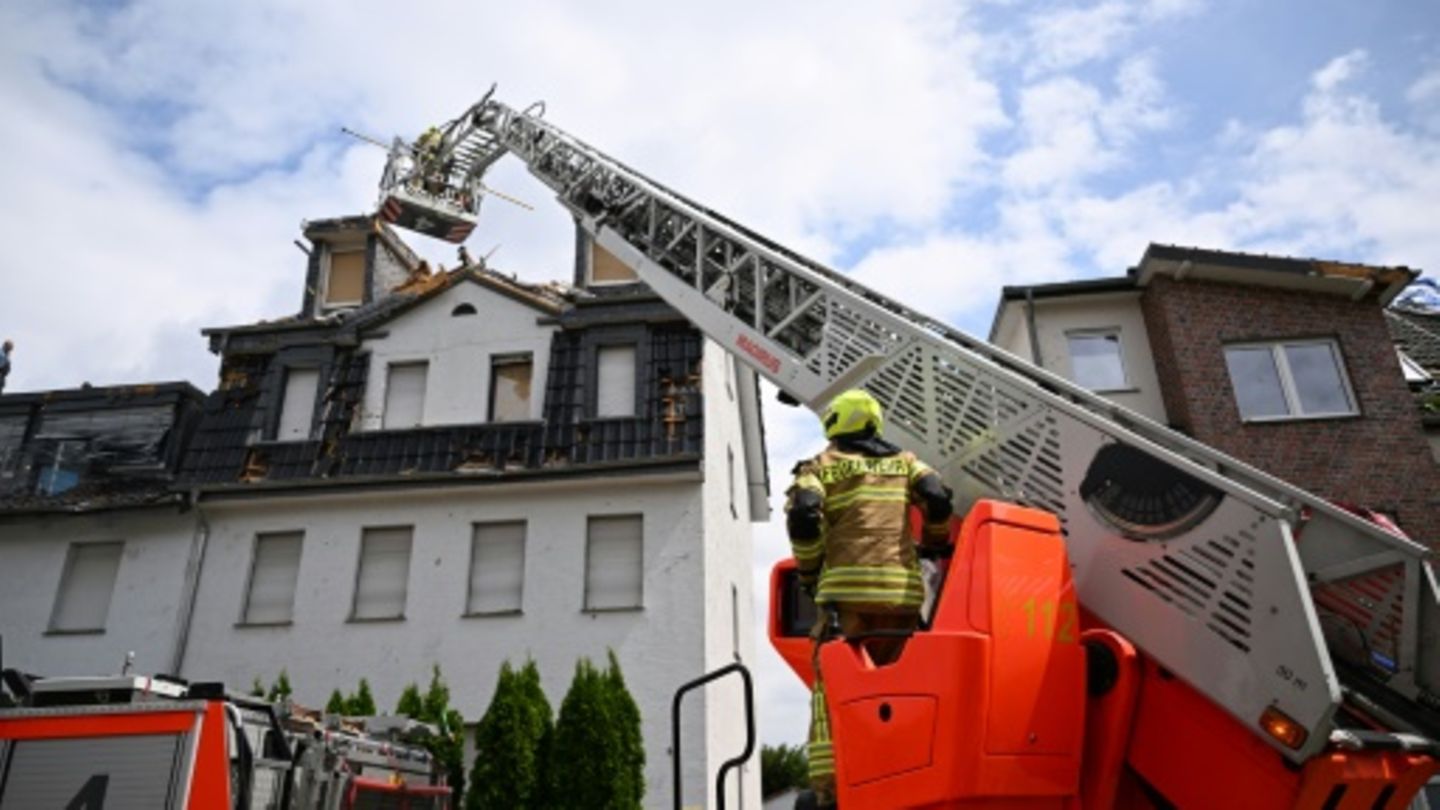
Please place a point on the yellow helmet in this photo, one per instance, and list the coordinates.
(852, 412)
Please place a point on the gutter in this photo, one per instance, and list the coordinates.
(194, 566)
(1030, 326)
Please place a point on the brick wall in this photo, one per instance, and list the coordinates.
(1379, 459)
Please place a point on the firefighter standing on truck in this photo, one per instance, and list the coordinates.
(846, 514)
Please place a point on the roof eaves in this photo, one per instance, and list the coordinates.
(1349, 278)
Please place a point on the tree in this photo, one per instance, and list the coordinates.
(584, 757)
(597, 759)
(627, 727)
(362, 703)
(337, 703)
(448, 744)
(511, 744)
(280, 690)
(257, 689)
(410, 703)
(782, 767)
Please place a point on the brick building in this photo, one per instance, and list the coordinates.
(1287, 364)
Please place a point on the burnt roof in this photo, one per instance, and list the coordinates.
(550, 299)
(119, 446)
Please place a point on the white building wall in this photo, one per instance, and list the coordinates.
(728, 594)
(659, 646)
(1055, 317)
(458, 350)
(143, 607)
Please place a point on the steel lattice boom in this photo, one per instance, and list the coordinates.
(1206, 563)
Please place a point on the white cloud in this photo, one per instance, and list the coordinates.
(1073, 35)
(1071, 131)
(1424, 98)
(1341, 181)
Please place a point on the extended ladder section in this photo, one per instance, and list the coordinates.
(1228, 577)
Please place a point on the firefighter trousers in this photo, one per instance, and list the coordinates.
(854, 620)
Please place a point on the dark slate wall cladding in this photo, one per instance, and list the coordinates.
(93, 448)
(234, 442)
(228, 420)
(668, 418)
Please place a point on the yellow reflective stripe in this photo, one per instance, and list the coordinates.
(808, 557)
(904, 598)
(809, 481)
(888, 585)
(875, 494)
(808, 549)
(854, 572)
(844, 468)
(919, 470)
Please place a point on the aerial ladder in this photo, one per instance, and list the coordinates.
(1199, 632)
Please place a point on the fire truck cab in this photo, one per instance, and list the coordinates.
(124, 742)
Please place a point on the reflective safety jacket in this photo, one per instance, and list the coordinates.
(861, 549)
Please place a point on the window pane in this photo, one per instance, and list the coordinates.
(272, 579)
(1095, 361)
(405, 396)
(61, 466)
(616, 396)
(139, 772)
(497, 568)
(346, 284)
(384, 572)
(613, 563)
(86, 586)
(1256, 381)
(1315, 370)
(510, 390)
(298, 408)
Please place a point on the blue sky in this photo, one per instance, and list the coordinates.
(161, 154)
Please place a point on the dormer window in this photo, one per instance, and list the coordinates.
(344, 277)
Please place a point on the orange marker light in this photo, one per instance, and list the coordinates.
(1282, 728)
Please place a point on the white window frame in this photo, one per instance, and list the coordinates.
(634, 398)
(359, 564)
(67, 572)
(470, 577)
(498, 361)
(326, 265)
(309, 410)
(245, 620)
(386, 412)
(640, 601)
(1287, 379)
(1102, 332)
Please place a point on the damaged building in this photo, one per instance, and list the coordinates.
(420, 467)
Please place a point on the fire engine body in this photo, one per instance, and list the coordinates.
(1129, 619)
(139, 743)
